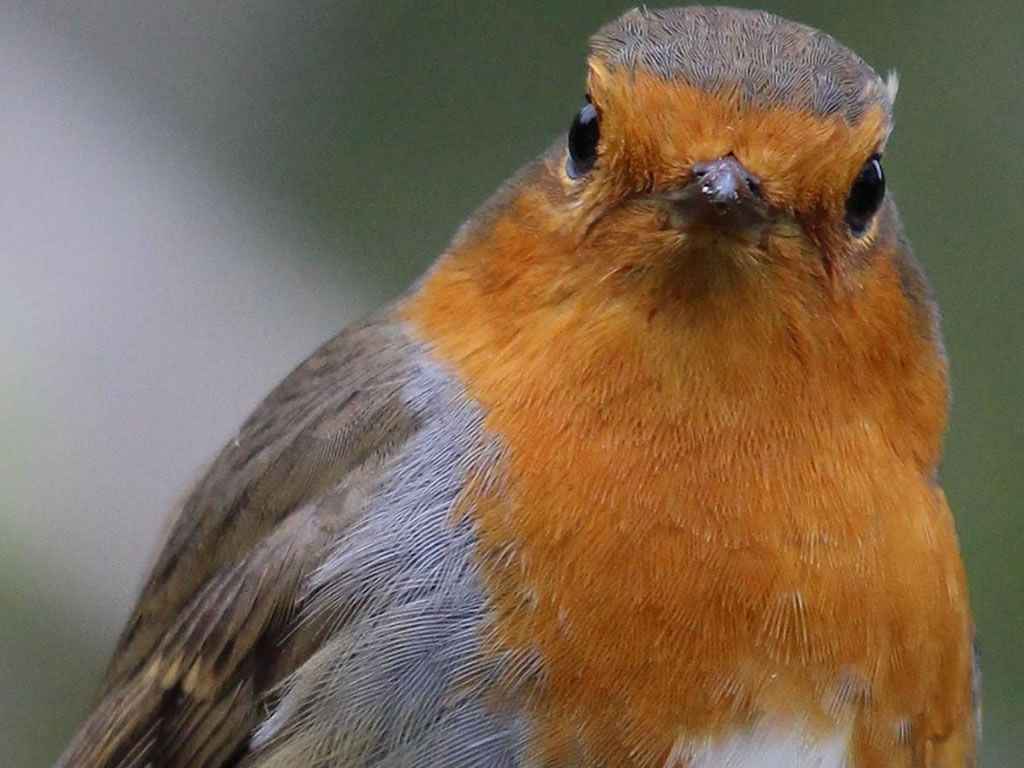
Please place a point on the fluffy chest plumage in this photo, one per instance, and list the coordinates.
(711, 531)
(686, 594)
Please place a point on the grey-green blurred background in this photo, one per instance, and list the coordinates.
(194, 194)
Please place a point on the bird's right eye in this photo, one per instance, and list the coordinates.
(583, 136)
(866, 196)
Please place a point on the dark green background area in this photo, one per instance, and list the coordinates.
(386, 124)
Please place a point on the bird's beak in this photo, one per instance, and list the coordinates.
(725, 183)
(721, 193)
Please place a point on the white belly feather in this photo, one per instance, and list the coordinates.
(764, 747)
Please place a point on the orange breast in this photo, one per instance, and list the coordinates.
(700, 526)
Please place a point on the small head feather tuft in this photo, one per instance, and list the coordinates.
(892, 85)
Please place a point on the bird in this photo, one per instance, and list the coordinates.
(643, 472)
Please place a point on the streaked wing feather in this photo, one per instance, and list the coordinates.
(216, 625)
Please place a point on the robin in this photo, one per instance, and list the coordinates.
(643, 472)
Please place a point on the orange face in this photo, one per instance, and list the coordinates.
(654, 131)
(639, 207)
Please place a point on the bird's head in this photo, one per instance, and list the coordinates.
(716, 139)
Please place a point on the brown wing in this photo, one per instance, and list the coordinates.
(214, 628)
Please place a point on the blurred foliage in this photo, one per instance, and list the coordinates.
(385, 124)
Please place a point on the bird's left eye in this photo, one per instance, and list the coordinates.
(866, 196)
(583, 136)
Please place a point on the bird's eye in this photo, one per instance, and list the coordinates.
(583, 136)
(866, 196)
